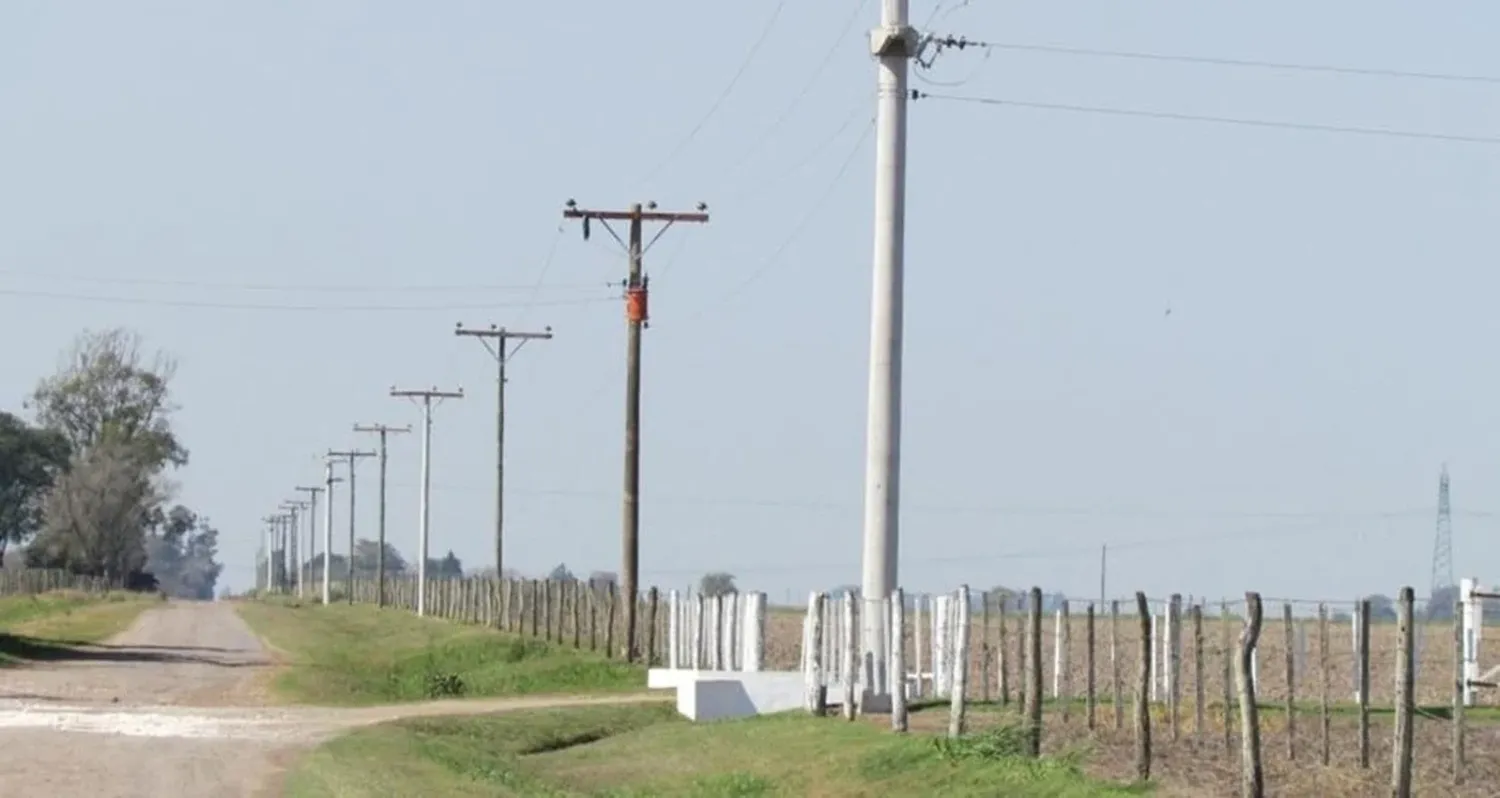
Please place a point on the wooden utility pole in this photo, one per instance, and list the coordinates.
(382, 430)
(636, 317)
(353, 456)
(499, 350)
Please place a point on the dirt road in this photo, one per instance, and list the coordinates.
(175, 706)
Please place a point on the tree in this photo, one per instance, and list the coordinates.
(1382, 608)
(30, 460)
(104, 391)
(717, 583)
(95, 514)
(367, 558)
(450, 567)
(561, 574)
(1441, 604)
(603, 578)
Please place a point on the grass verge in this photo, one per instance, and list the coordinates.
(344, 655)
(639, 751)
(46, 625)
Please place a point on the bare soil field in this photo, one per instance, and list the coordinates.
(1435, 660)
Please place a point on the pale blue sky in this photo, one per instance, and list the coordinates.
(1281, 430)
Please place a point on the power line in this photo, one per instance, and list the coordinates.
(342, 288)
(947, 42)
(185, 303)
(807, 86)
(1222, 120)
(1052, 553)
(765, 34)
(997, 510)
(797, 230)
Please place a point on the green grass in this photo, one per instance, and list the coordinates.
(344, 655)
(45, 626)
(641, 751)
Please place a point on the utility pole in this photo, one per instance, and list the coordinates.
(329, 480)
(382, 430)
(295, 508)
(270, 552)
(636, 317)
(502, 338)
(426, 397)
(312, 525)
(893, 44)
(352, 456)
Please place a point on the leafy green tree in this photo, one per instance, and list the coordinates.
(449, 567)
(106, 391)
(717, 584)
(30, 460)
(95, 514)
(367, 558)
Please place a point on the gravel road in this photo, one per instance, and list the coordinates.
(175, 706)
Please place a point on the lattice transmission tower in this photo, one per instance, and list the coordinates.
(1442, 545)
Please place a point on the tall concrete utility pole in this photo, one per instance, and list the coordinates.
(635, 317)
(893, 44)
(382, 430)
(270, 552)
(500, 351)
(352, 456)
(329, 480)
(295, 508)
(426, 398)
(312, 525)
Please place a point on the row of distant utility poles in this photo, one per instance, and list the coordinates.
(498, 342)
(285, 526)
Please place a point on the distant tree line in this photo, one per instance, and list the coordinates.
(84, 482)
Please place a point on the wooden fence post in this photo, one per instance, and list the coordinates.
(1363, 671)
(1225, 645)
(1002, 662)
(609, 620)
(1143, 692)
(1325, 719)
(1199, 720)
(651, 602)
(984, 648)
(1458, 693)
(898, 661)
(1174, 664)
(1090, 699)
(1291, 681)
(1401, 757)
(1034, 673)
(1252, 777)
(1064, 664)
(851, 653)
(1116, 686)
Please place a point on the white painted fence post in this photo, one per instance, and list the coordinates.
(1155, 656)
(1057, 652)
(940, 644)
(754, 654)
(673, 629)
(917, 600)
(1473, 629)
(700, 632)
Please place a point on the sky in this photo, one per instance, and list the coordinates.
(298, 201)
